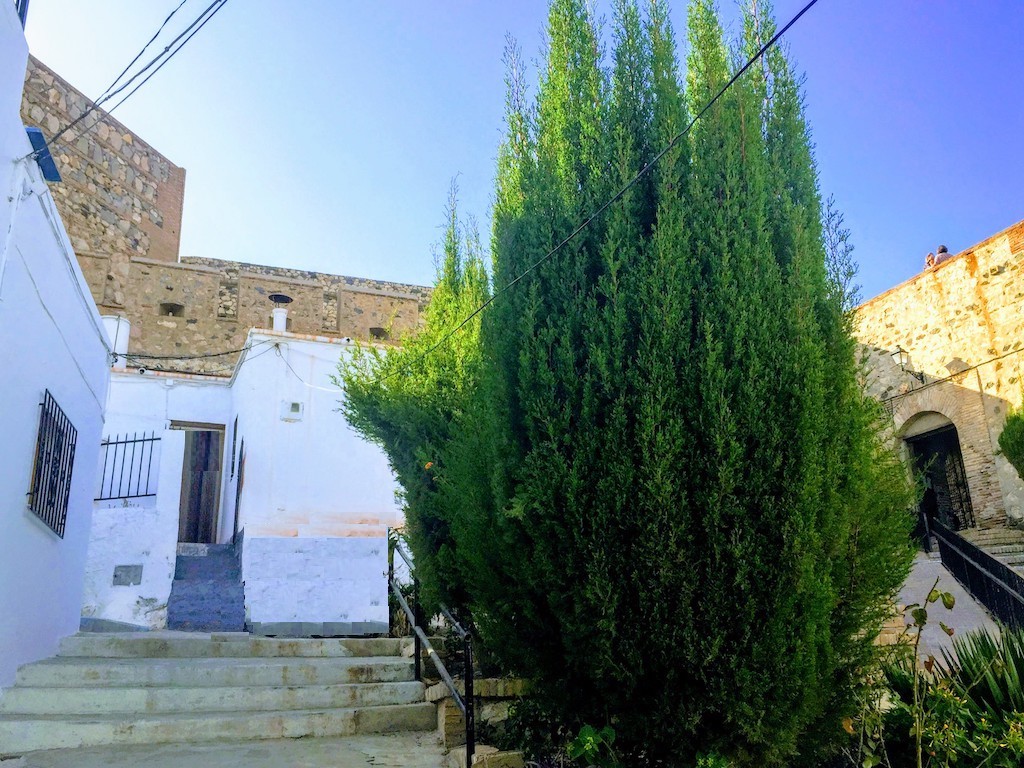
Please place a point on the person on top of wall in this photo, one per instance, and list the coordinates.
(942, 254)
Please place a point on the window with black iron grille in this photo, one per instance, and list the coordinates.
(55, 458)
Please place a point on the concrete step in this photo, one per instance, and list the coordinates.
(993, 536)
(224, 568)
(1004, 549)
(206, 605)
(73, 702)
(19, 735)
(203, 550)
(227, 645)
(74, 672)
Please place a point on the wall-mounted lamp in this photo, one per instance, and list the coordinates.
(901, 357)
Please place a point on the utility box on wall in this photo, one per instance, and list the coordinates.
(292, 410)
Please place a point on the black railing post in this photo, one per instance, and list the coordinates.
(467, 645)
(416, 621)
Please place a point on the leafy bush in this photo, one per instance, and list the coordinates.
(970, 708)
(1011, 439)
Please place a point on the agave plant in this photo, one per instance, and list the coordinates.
(988, 669)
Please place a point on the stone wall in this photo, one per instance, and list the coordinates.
(962, 324)
(118, 196)
(121, 202)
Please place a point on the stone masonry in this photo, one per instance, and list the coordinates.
(962, 323)
(121, 202)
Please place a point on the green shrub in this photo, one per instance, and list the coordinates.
(1011, 439)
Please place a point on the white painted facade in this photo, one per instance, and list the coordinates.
(52, 339)
(313, 507)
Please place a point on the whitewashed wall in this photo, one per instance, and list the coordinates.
(137, 532)
(144, 532)
(317, 499)
(51, 338)
(315, 504)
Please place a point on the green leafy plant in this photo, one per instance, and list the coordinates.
(593, 747)
(1011, 439)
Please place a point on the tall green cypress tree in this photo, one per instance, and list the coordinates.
(664, 494)
(412, 403)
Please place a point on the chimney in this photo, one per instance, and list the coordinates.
(280, 312)
(118, 329)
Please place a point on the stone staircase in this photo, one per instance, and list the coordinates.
(1005, 544)
(207, 593)
(172, 687)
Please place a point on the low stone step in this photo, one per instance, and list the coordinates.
(1004, 549)
(19, 735)
(206, 605)
(224, 567)
(169, 700)
(74, 672)
(229, 645)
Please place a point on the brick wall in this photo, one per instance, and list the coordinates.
(962, 324)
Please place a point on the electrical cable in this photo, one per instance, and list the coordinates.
(888, 401)
(132, 92)
(196, 357)
(611, 201)
(144, 49)
(234, 367)
(208, 13)
(335, 391)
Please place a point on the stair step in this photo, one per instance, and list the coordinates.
(72, 702)
(1004, 549)
(213, 568)
(254, 671)
(205, 550)
(229, 645)
(19, 735)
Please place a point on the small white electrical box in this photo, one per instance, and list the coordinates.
(291, 410)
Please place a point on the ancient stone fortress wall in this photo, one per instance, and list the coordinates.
(962, 323)
(118, 197)
(201, 306)
(121, 202)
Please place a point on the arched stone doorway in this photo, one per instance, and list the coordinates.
(934, 446)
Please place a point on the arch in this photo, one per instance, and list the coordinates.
(933, 445)
(922, 422)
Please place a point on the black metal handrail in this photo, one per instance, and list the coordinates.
(464, 701)
(132, 455)
(989, 581)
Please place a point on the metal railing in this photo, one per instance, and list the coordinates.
(127, 467)
(464, 701)
(55, 459)
(992, 583)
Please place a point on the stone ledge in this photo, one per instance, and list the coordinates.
(316, 628)
(484, 688)
(378, 292)
(174, 265)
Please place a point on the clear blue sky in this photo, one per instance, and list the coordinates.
(324, 134)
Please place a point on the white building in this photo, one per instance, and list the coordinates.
(55, 377)
(278, 469)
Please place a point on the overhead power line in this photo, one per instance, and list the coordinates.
(158, 61)
(612, 200)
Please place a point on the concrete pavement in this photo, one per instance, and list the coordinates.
(967, 614)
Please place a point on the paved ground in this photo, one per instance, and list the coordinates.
(965, 616)
(409, 750)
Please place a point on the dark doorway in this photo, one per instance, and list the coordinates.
(200, 486)
(946, 497)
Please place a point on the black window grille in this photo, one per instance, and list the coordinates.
(55, 459)
(127, 471)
